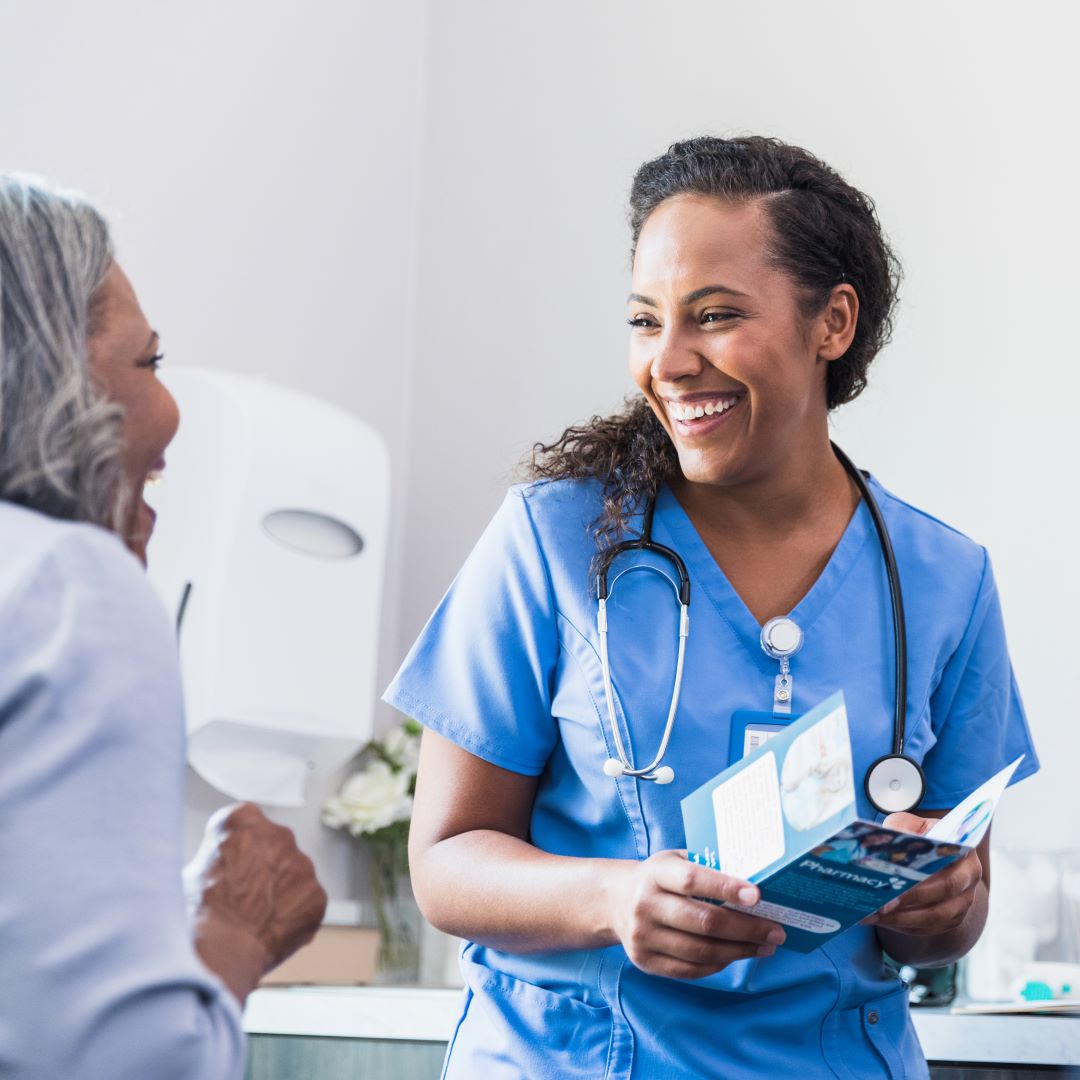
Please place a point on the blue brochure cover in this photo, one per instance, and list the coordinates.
(784, 818)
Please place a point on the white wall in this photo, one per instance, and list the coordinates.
(260, 165)
(958, 118)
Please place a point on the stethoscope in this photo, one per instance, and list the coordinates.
(893, 783)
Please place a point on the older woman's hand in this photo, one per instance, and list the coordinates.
(255, 895)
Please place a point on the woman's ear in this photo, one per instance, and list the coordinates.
(837, 322)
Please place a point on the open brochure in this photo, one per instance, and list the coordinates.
(784, 818)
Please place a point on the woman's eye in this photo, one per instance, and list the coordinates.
(154, 362)
(718, 316)
(642, 321)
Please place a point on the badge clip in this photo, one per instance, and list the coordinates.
(784, 689)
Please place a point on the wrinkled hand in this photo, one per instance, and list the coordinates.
(255, 896)
(666, 931)
(939, 904)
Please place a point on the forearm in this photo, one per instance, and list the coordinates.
(501, 891)
(236, 956)
(937, 950)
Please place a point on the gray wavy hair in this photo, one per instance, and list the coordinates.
(60, 446)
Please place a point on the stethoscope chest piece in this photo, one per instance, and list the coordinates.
(895, 783)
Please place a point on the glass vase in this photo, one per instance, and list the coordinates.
(396, 912)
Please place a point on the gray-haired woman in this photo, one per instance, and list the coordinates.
(101, 973)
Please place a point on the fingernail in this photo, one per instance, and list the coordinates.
(890, 906)
(766, 950)
(748, 895)
(776, 937)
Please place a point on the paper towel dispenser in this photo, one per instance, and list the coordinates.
(269, 549)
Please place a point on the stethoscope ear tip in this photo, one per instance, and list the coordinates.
(613, 768)
(664, 775)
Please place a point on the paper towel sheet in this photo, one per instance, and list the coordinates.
(263, 765)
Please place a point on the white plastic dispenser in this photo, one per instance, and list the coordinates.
(269, 550)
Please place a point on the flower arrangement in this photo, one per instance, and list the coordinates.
(375, 805)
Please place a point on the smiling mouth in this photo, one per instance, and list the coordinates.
(690, 414)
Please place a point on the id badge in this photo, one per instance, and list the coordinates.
(751, 729)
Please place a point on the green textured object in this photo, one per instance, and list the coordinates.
(1037, 991)
(288, 1057)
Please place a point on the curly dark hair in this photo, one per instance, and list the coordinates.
(823, 232)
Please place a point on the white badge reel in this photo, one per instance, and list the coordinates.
(782, 638)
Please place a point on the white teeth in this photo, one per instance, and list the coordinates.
(695, 412)
(153, 478)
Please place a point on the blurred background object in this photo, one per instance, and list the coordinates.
(375, 806)
(1034, 920)
(269, 551)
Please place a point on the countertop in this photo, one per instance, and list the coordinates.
(428, 1015)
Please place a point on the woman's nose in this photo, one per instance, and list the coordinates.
(674, 358)
(168, 417)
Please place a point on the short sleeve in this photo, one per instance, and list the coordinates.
(93, 923)
(482, 670)
(976, 712)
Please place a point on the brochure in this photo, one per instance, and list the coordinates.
(784, 818)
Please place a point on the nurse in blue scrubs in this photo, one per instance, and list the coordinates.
(762, 289)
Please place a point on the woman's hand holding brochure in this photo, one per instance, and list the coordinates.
(939, 904)
(943, 903)
(785, 818)
(665, 911)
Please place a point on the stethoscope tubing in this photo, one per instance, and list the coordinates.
(684, 631)
(896, 598)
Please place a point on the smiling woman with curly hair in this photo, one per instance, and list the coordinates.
(762, 289)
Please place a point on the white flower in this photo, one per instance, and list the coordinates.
(370, 800)
(404, 748)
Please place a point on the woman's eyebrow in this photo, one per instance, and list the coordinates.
(710, 290)
(690, 298)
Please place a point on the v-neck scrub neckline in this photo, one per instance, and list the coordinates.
(709, 578)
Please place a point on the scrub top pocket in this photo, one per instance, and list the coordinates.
(515, 1030)
(874, 1039)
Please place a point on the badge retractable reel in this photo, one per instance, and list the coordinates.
(782, 638)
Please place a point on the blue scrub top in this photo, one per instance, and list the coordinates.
(508, 668)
